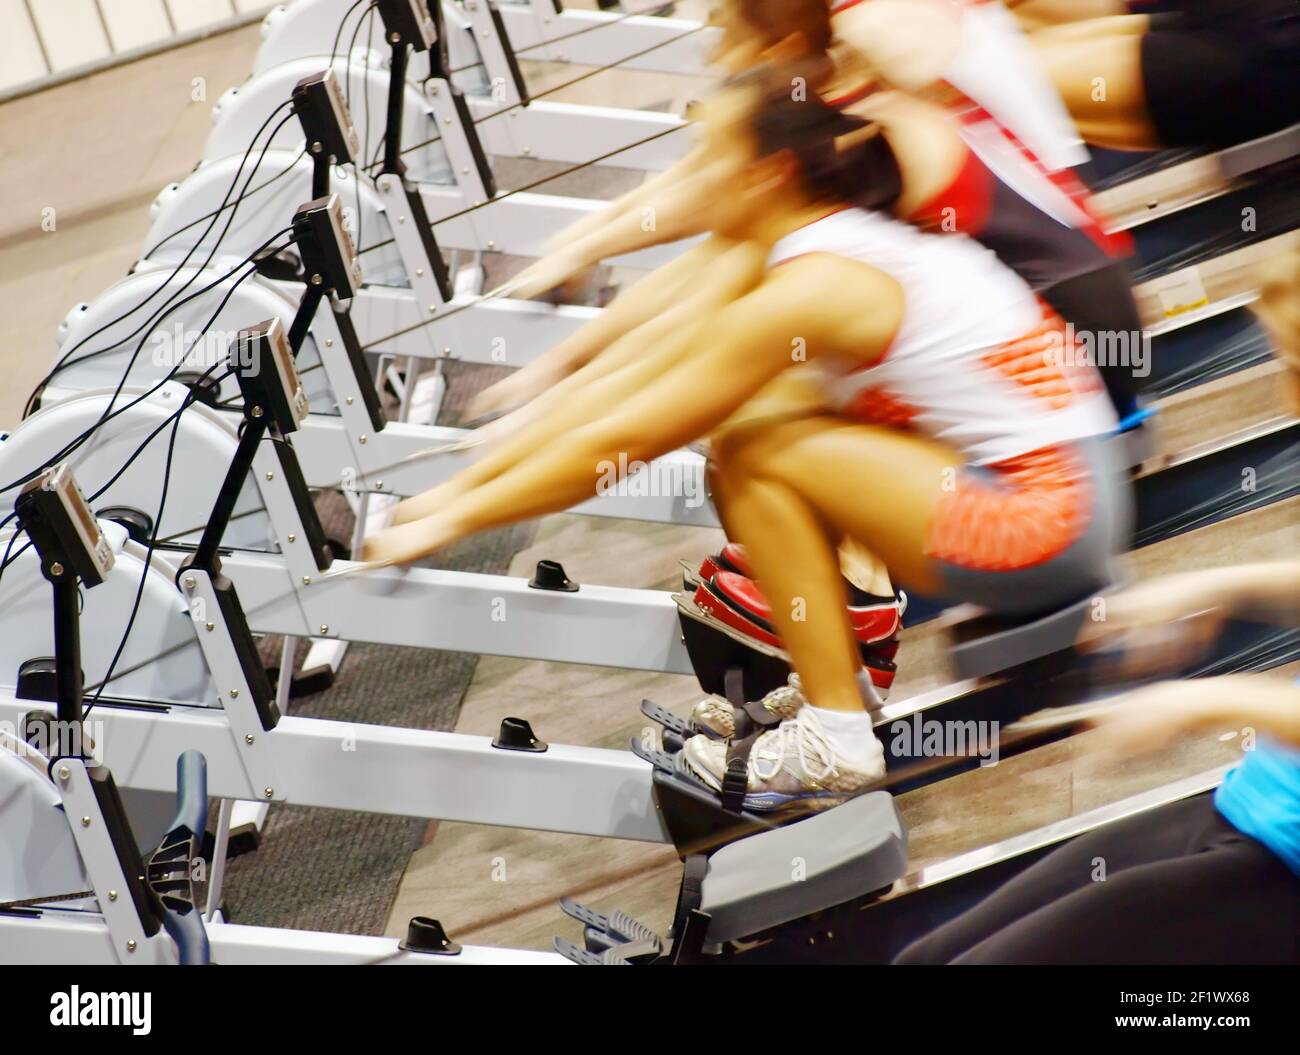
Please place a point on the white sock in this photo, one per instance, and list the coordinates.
(850, 732)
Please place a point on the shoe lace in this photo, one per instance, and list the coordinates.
(810, 744)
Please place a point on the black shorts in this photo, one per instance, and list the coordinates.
(1182, 886)
(1218, 72)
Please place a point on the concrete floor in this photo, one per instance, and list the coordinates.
(71, 151)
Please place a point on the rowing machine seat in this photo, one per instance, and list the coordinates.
(987, 644)
(847, 852)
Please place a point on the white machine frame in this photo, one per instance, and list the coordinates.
(286, 592)
(540, 129)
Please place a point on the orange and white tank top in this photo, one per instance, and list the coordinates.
(978, 362)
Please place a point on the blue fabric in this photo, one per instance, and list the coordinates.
(1261, 798)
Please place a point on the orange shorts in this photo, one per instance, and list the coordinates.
(1034, 532)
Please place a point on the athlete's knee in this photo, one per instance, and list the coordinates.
(739, 452)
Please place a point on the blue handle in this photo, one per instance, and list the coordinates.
(191, 793)
(186, 926)
(190, 936)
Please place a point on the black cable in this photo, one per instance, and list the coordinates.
(143, 445)
(8, 549)
(171, 302)
(111, 413)
(334, 50)
(225, 203)
(238, 201)
(651, 12)
(352, 43)
(338, 33)
(149, 551)
(31, 399)
(191, 396)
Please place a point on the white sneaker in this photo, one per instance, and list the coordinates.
(795, 762)
(716, 718)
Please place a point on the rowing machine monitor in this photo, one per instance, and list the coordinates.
(61, 526)
(276, 393)
(331, 137)
(325, 119)
(408, 22)
(329, 258)
(409, 25)
(54, 513)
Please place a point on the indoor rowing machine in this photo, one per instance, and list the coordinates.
(484, 65)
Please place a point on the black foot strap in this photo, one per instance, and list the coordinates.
(735, 782)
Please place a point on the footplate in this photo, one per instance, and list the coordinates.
(693, 812)
(602, 932)
(690, 576)
(676, 729)
(609, 958)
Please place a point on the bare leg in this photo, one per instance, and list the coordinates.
(1034, 15)
(1100, 80)
(796, 565)
(790, 492)
(876, 485)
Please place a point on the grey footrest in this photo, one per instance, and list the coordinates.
(783, 874)
(988, 644)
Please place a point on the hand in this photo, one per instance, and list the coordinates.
(407, 543)
(563, 271)
(1151, 718)
(1159, 625)
(511, 392)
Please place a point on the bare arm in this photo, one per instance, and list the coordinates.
(731, 358)
(1268, 590)
(612, 378)
(649, 188)
(653, 295)
(670, 210)
(1150, 718)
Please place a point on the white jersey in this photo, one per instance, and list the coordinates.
(978, 362)
(995, 67)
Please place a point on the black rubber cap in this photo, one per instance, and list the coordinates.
(138, 523)
(516, 734)
(425, 934)
(341, 550)
(207, 390)
(550, 575)
(38, 680)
